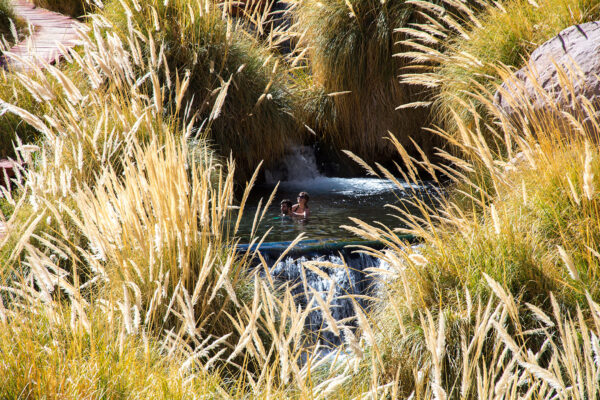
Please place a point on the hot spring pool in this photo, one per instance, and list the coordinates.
(332, 202)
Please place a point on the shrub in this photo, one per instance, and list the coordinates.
(352, 95)
(237, 87)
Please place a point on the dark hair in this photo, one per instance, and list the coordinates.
(288, 202)
(305, 195)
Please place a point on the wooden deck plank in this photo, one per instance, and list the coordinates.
(52, 29)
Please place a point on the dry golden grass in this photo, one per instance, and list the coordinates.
(119, 278)
(457, 54)
(238, 87)
(515, 238)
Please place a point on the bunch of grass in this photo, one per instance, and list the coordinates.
(10, 25)
(459, 56)
(482, 350)
(60, 339)
(160, 230)
(74, 337)
(117, 213)
(51, 357)
(107, 154)
(238, 87)
(520, 223)
(85, 116)
(73, 8)
(353, 95)
(525, 214)
(99, 110)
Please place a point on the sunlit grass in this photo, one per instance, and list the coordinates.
(52, 357)
(460, 55)
(518, 224)
(217, 55)
(120, 278)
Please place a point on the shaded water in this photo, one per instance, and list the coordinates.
(332, 202)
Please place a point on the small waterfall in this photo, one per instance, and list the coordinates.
(299, 164)
(342, 283)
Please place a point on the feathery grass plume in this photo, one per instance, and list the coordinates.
(97, 112)
(98, 109)
(78, 348)
(252, 115)
(159, 229)
(486, 239)
(460, 60)
(11, 27)
(588, 176)
(482, 354)
(350, 79)
(28, 95)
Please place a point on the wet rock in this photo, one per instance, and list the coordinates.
(569, 60)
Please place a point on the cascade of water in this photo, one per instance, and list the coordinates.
(299, 164)
(336, 291)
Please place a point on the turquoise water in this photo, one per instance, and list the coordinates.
(332, 202)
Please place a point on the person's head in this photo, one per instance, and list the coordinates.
(303, 198)
(286, 206)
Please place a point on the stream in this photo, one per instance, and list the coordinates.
(332, 201)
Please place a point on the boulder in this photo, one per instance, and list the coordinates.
(571, 58)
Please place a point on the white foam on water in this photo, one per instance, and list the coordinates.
(300, 163)
(298, 171)
(344, 186)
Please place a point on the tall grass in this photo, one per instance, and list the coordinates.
(53, 358)
(520, 224)
(118, 221)
(113, 158)
(459, 57)
(255, 118)
(352, 94)
(120, 277)
(8, 33)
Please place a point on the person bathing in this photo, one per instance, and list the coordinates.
(301, 209)
(286, 208)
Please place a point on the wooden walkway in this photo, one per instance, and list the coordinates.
(53, 32)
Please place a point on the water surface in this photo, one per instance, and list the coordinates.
(332, 202)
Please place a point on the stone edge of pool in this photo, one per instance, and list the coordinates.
(314, 246)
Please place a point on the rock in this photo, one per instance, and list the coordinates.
(572, 56)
